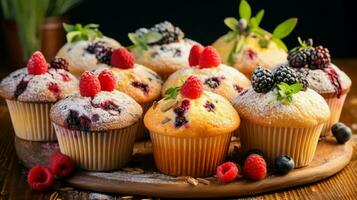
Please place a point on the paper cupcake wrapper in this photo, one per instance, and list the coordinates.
(31, 121)
(196, 157)
(100, 150)
(298, 143)
(143, 132)
(336, 105)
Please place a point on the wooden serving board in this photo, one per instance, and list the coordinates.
(329, 159)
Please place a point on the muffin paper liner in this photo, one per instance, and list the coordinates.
(31, 121)
(143, 132)
(298, 143)
(196, 157)
(335, 105)
(100, 150)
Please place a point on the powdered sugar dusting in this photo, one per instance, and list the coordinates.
(153, 177)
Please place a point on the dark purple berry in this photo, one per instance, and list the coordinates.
(284, 164)
(20, 88)
(59, 63)
(210, 107)
(169, 32)
(262, 80)
(213, 82)
(142, 86)
(341, 132)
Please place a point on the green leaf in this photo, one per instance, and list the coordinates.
(238, 46)
(172, 93)
(134, 38)
(280, 43)
(232, 23)
(255, 21)
(152, 37)
(78, 32)
(285, 28)
(285, 92)
(245, 11)
(68, 27)
(230, 36)
(91, 26)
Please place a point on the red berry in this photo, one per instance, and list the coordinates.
(195, 53)
(254, 167)
(40, 178)
(192, 88)
(209, 58)
(89, 84)
(107, 80)
(37, 64)
(227, 172)
(122, 58)
(62, 165)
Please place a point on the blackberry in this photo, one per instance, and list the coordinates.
(320, 58)
(102, 53)
(180, 121)
(169, 32)
(300, 58)
(262, 80)
(59, 63)
(302, 80)
(285, 74)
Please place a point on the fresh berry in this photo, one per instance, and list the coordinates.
(341, 132)
(284, 164)
(299, 58)
(262, 80)
(89, 84)
(169, 32)
(285, 74)
(320, 58)
(62, 165)
(59, 63)
(254, 167)
(227, 172)
(37, 64)
(122, 59)
(101, 52)
(192, 88)
(107, 80)
(209, 58)
(40, 178)
(195, 53)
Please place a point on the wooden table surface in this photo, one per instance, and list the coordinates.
(341, 186)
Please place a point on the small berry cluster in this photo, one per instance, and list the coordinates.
(101, 52)
(90, 84)
(38, 65)
(204, 57)
(41, 178)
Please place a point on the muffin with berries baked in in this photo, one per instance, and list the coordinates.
(30, 92)
(137, 81)
(97, 127)
(205, 64)
(247, 46)
(163, 48)
(323, 76)
(86, 47)
(281, 115)
(190, 130)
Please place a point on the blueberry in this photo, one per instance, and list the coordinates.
(341, 132)
(284, 164)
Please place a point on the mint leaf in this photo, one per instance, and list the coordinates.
(245, 11)
(230, 36)
(134, 38)
(285, 28)
(255, 21)
(285, 92)
(68, 27)
(279, 43)
(77, 32)
(232, 23)
(172, 93)
(152, 37)
(238, 46)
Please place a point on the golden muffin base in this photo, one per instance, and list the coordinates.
(31, 121)
(99, 150)
(196, 157)
(143, 132)
(298, 143)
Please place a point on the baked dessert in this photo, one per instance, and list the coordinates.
(135, 80)
(281, 116)
(86, 47)
(97, 127)
(190, 130)
(31, 91)
(247, 46)
(323, 76)
(162, 48)
(205, 64)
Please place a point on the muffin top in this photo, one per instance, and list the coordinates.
(191, 112)
(38, 83)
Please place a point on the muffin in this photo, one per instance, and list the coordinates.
(30, 92)
(190, 130)
(135, 80)
(247, 46)
(215, 77)
(161, 48)
(323, 77)
(86, 47)
(97, 127)
(281, 118)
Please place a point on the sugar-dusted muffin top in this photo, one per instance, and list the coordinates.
(223, 80)
(208, 115)
(139, 82)
(307, 109)
(50, 86)
(104, 111)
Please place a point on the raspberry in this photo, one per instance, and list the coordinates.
(89, 84)
(209, 58)
(262, 80)
(59, 63)
(37, 64)
(227, 172)
(195, 53)
(254, 167)
(192, 88)
(40, 178)
(107, 80)
(122, 58)
(62, 165)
